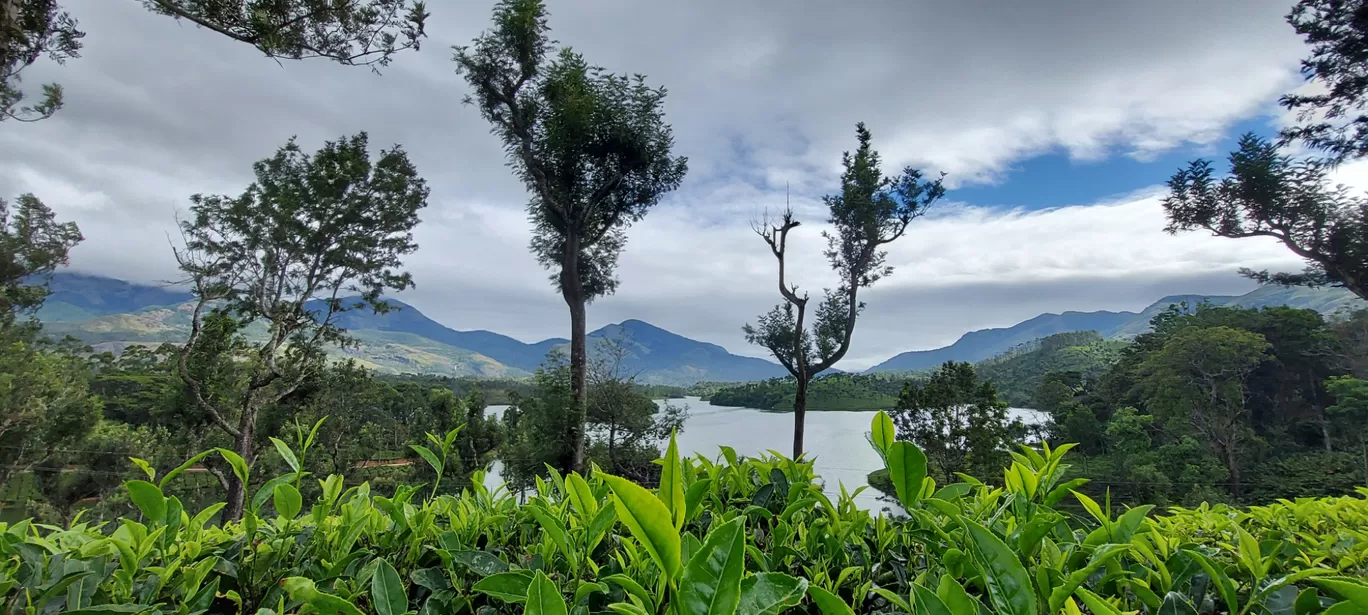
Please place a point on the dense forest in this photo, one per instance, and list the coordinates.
(827, 392)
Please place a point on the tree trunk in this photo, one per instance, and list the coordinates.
(242, 445)
(572, 289)
(799, 414)
(1234, 464)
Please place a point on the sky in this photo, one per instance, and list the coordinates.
(1057, 122)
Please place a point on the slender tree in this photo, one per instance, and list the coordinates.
(593, 150)
(314, 236)
(1333, 119)
(1268, 194)
(870, 212)
(350, 32)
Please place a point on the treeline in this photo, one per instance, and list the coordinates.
(1222, 404)
(1018, 373)
(830, 392)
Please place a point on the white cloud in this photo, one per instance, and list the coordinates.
(762, 94)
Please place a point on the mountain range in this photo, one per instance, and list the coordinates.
(111, 314)
(984, 344)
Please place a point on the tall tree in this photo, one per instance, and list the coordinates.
(871, 211)
(957, 420)
(1199, 379)
(1333, 119)
(593, 149)
(286, 254)
(352, 32)
(33, 244)
(1268, 194)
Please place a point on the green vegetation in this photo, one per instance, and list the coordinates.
(735, 536)
(829, 392)
(1018, 373)
(1219, 403)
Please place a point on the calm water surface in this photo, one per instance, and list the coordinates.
(834, 440)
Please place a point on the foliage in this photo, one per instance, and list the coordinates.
(732, 536)
(357, 33)
(957, 420)
(1268, 194)
(592, 147)
(1198, 378)
(309, 229)
(625, 425)
(45, 406)
(1019, 373)
(32, 245)
(30, 30)
(827, 392)
(871, 211)
(1335, 31)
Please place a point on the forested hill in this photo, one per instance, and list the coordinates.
(984, 344)
(112, 314)
(1018, 372)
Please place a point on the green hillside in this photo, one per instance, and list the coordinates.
(1018, 372)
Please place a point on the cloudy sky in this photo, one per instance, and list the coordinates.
(1056, 120)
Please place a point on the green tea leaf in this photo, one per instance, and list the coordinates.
(480, 562)
(630, 586)
(434, 578)
(1096, 604)
(926, 602)
(543, 598)
(882, 434)
(907, 468)
(108, 609)
(627, 608)
(1353, 591)
(239, 465)
(1224, 585)
(581, 496)
(712, 580)
(387, 590)
(508, 586)
(286, 454)
(553, 528)
(893, 598)
(770, 593)
(955, 598)
(303, 589)
(1308, 602)
(267, 490)
(428, 456)
(287, 500)
(672, 484)
(1009, 587)
(148, 498)
(1076, 579)
(1176, 604)
(649, 521)
(829, 603)
(693, 498)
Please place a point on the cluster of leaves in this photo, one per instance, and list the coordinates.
(727, 536)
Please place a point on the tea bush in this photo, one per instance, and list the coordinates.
(730, 536)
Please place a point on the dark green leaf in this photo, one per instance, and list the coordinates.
(387, 590)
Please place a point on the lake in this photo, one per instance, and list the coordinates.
(835, 441)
